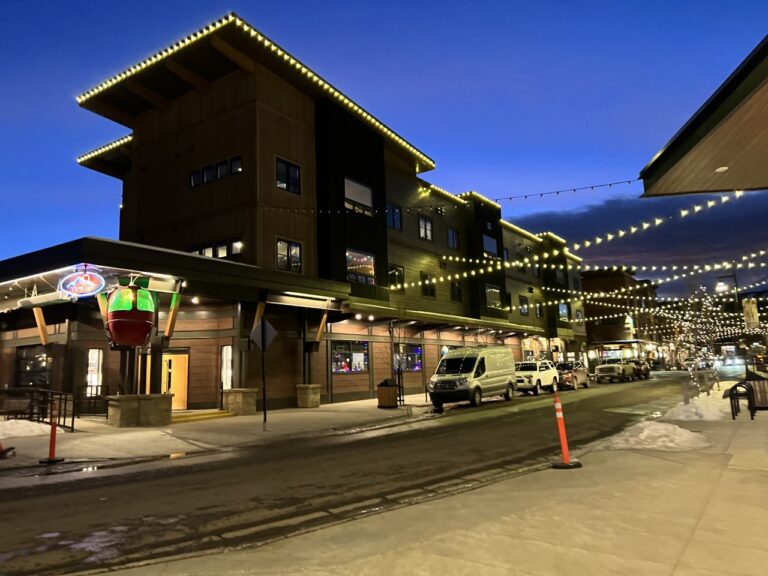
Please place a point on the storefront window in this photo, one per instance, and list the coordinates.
(93, 377)
(408, 357)
(349, 357)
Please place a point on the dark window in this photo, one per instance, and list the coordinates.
(236, 165)
(209, 174)
(408, 358)
(289, 256)
(427, 285)
(453, 238)
(579, 317)
(560, 276)
(523, 305)
(361, 267)
(195, 178)
(480, 368)
(506, 254)
(287, 176)
(396, 278)
(539, 309)
(492, 296)
(535, 270)
(425, 228)
(221, 170)
(490, 245)
(456, 291)
(349, 357)
(394, 216)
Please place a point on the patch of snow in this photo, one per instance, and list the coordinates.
(702, 407)
(651, 435)
(19, 428)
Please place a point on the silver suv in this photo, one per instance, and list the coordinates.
(534, 375)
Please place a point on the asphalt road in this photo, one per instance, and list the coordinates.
(270, 491)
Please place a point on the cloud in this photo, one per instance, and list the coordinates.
(723, 232)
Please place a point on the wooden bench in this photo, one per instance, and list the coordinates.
(755, 392)
(14, 407)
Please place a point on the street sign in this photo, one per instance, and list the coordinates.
(263, 335)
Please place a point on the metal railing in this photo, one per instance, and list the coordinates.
(40, 402)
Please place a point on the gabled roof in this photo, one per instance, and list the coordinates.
(218, 49)
(724, 146)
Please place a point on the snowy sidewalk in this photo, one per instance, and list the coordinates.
(683, 497)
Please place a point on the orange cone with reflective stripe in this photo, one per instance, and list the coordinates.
(567, 462)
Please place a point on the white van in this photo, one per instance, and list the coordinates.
(473, 374)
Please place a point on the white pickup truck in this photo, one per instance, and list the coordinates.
(615, 369)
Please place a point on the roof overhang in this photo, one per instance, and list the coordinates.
(724, 146)
(222, 47)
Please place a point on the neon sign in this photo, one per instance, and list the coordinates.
(82, 284)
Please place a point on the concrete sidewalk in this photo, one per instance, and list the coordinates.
(626, 512)
(94, 440)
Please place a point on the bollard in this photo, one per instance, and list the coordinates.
(52, 442)
(567, 463)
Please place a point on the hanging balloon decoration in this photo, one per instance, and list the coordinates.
(130, 315)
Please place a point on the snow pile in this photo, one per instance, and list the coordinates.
(19, 428)
(651, 435)
(701, 408)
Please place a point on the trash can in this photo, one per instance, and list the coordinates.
(387, 393)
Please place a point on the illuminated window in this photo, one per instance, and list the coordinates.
(93, 377)
(287, 176)
(394, 216)
(226, 367)
(579, 317)
(358, 197)
(492, 296)
(408, 358)
(453, 238)
(289, 256)
(425, 228)
(221, 251)
(349, 357)
(524, 306)
(237, 247)
(428, 287)
(361, 267)
(207, 251)
(563, 311)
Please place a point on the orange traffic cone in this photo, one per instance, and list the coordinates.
(5, 452)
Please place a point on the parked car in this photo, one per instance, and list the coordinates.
(615, 369)
(537, 375)
(473, 374)
(573, 374)
(642, 369)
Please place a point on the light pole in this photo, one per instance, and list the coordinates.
(721, 287)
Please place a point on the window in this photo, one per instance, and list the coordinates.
(535, 270)
(563, 311)
(480, 368)
(236, 165)
(208, 251)
(289, 256)
(221, 251)
(453, 238)
(361, 267)
(407, 358)
(237, 247)
(349, 357)
(93, 377)
(560, 276)
(456, 291)
(195, 178)
(425, 228)
(579, 317)
(226, 367)
(506, 254)
(221, 170)
(492, 296)
(428, 285)
(490, 245)
(524, 305)
(396, 277)
(539, 309)
(287, 176)
(358, 198)
(394, 216)
(209, 174)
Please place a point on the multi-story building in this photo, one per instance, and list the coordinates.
(255, 190)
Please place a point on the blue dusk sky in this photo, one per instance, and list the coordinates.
(509, 98)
